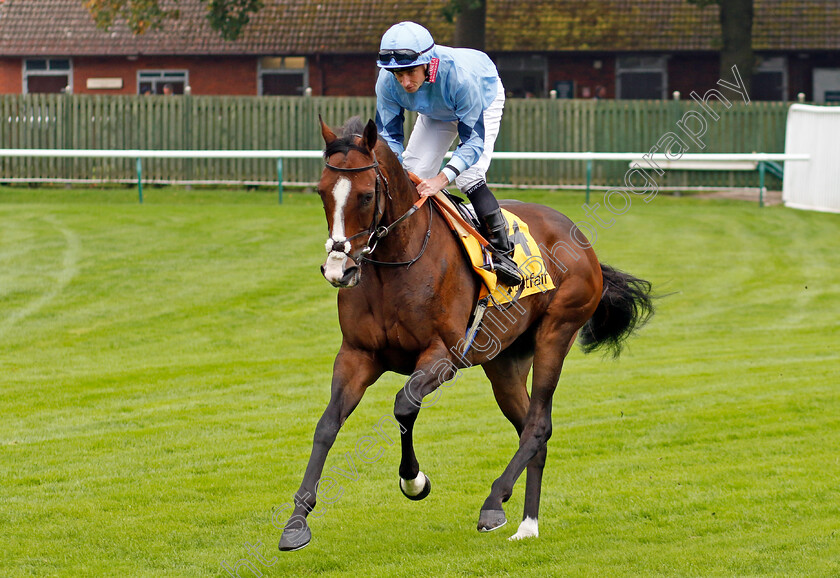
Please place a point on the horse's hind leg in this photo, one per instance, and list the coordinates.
(552, 344)
(508, 373)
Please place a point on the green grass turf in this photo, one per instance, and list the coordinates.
(162, 368)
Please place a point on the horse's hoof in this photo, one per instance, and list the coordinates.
(295, 539)
(490, 520)
(409, 487)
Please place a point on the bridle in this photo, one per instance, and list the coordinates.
(375, 231)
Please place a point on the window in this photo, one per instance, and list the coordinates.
(156, 81)
(641, 77)
(770, 79)
(826, 85)
(565, 89)
(51, 75)
(523, 76)
(282, 75)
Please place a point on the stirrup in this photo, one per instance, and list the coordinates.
(495, 226)
(506, 270)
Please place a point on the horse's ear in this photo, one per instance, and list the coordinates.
(328, 134)
(370, 135)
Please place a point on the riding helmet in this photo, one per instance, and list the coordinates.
(407, 36)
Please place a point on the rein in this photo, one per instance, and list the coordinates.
(377, 232)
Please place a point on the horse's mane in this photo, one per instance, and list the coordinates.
(353, 127)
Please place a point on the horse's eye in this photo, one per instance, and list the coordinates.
(366, 199)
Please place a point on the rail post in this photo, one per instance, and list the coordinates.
(280, 181)
(140, 179)
(761, 169)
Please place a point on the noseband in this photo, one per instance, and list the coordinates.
(376, 232)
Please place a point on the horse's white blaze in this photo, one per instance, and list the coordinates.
(527, 529)
(415, 486)
(334, 266)
(340, 192)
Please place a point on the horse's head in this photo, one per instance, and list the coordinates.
(351, 189)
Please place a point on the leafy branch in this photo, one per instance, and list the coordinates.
(227, 17)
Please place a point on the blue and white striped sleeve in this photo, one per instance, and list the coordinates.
(469, 109)
(390, 118)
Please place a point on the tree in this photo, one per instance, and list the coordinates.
(470, 17)
(228, 17)
(736, 20)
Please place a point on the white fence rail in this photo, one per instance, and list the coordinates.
(714, 161)
(312, 154)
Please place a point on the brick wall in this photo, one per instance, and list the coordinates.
(693, 72)
(353, 75)
(10, 76)
(589, 71)
(700, 73)
(224, 76)
(801, 72)
(233, 76)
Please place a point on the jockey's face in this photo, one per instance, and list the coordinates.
(411, 79)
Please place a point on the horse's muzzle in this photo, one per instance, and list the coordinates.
(350, 278)
(335, 269)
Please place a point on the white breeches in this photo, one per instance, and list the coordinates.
(430, 140)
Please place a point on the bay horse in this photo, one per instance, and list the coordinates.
(404, 304)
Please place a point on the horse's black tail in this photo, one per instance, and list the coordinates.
(626, 304)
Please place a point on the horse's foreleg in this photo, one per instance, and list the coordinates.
(552, 346)
(353, 372)
(432, 371)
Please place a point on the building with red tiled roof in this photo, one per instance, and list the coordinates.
(631, 48)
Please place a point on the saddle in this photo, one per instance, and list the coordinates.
(465, 209)
(464, 223)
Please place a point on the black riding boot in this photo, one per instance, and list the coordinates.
(495, 228)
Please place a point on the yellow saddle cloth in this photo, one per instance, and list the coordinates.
(526, 255)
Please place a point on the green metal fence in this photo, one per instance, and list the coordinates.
(632, 126)
(255, 123)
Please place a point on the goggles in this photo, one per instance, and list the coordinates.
(402, 56)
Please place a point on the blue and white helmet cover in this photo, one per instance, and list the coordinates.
(407, 36)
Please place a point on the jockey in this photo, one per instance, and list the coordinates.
(457, 92)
